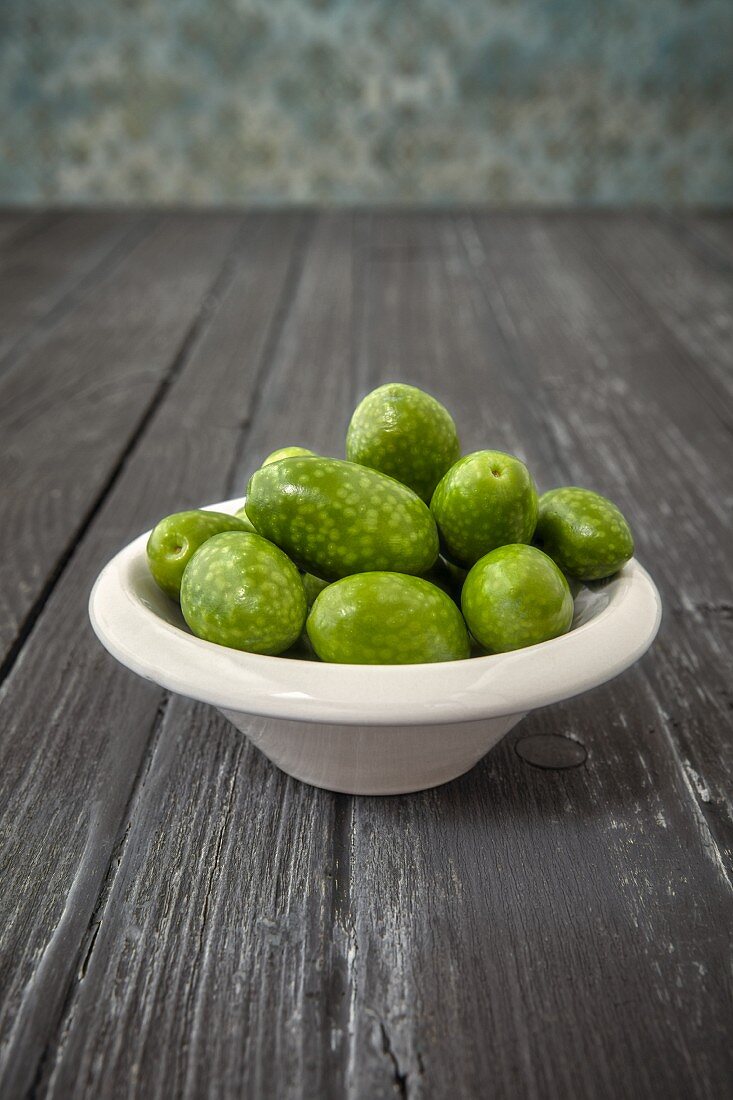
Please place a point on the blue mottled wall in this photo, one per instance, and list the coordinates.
(380, 101)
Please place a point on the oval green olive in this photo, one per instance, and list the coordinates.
(334, 518)
(583, 532)
(386, 618)
(405, 433)
(288, 452)
(514, 597)
(487, 499)
(175, 539)
(239, 590)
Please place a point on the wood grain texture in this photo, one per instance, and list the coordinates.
(630, 420)
(70, 755)
(242, 940)
(716, 229)
(70, 407)
(463, 881)
(180, 919)
(678, 284)
(15, 223)
(54, 260)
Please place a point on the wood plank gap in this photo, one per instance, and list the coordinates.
(290, 287)
(719, 852)
(214, 870)
(193, 334)
(32, 228)
(341, 996)
(503, 322)
(341, 991)
(705, 827)
(35, 224)
(212, 399)
(86, 947)
(54, 1047)
(362, 230)
(200, 932)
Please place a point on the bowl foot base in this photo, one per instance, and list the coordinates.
(373, 759)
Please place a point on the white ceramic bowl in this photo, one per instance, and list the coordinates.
(370, 729)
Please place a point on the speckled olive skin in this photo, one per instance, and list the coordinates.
(334, 518)
(175, 539)
(288, 452)
(386, 619)
(405, 433)
(514, 597)
(240, 591)
(487, 499)
(583, 532)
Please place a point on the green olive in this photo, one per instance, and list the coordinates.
(175, 539)
(239, 590)
(386, 618)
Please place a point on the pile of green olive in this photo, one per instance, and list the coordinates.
(404, 553)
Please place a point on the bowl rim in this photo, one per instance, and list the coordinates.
(419, 694)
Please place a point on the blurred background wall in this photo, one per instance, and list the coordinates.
(278, 101)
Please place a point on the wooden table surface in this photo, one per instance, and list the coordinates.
(177, 917)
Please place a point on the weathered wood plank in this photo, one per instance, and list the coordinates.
(422, 327)
(532, 920)
(309, 390)
(629, 417)
(71, 406)
(13, 223)
(75, 725)
(524, 931)
(42, 270)
(228, 991)
(207, 964)
(559, 929)
(624, 411)
(688, 290)
(717, 229)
